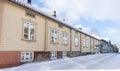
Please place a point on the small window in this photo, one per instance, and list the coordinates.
(26, 56)
(65, 38)
(64, 54)
(54, 36)
(29, 31)
(60, 26)
(30, 14)
(53, 55)
(76, 40)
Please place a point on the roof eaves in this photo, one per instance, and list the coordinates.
(28, 6)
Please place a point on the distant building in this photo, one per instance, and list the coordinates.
(107, 47)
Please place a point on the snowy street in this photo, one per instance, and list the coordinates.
(89, 62)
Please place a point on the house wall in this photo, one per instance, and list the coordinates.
(96, 48)
(50, 24)
(73, 46)
(12, 26)
(85, 48)
(8, 59)
(1, 16)
(92, 44)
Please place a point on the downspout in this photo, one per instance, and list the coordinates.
(46, 36)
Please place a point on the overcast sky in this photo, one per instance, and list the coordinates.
(100, 16)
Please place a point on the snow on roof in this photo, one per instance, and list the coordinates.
(94, 35)
(37, 10)
(106, 39)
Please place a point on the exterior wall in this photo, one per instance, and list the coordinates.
(41, 56)
(8, 58)
(73, 46)
(107, 47)
(50, 24)
(12, 27)
(96, 46)
(92, 45)
(85, 48)
(1, 16)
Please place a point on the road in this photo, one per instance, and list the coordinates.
(88, 62)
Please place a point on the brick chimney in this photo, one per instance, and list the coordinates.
(53, 13)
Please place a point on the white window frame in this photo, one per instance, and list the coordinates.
(54, 36)
(53, 55)
(27, 56)
(30, 26)
(65, 38)
(85, 42)
(64, 54)
(76, 40)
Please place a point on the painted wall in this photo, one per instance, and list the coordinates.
(73, 46)
(1, 17)
(12, 27)
(59, 46)
(85, 48)
(12, 31)
(92, 44)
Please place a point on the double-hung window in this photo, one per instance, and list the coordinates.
(76, 40)
(65, 38)
(29, 31)
(54, 36)
(85, 42)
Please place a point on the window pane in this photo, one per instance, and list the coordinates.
(76, 40)
(54, 36)
(29, 31)
(30, 55)
(65, 38)
(26, 30)
(26, 27)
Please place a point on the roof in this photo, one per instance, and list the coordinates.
(30, 7)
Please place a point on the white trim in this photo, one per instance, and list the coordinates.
(64, 54)
(53, 55)
(27, 56)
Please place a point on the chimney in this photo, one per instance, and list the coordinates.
(80, 28)
(53, 13)
(29, 1)
(63, 19)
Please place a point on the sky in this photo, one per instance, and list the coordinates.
(93, 16)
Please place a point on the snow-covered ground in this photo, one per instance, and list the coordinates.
(90, 62)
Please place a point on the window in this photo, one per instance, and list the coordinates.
(54, 36)
(76, 40)
(60, 26)
(30, 14)
(85, 42)
(29, 31)
(53, 55)
(65, 38)
(64, 54)
(26, 56)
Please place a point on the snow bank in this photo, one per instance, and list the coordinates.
(97, 62)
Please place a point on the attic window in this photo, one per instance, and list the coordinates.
(30, 14)
(76, 32)
(60, 26)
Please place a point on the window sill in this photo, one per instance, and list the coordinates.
(28, 40)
